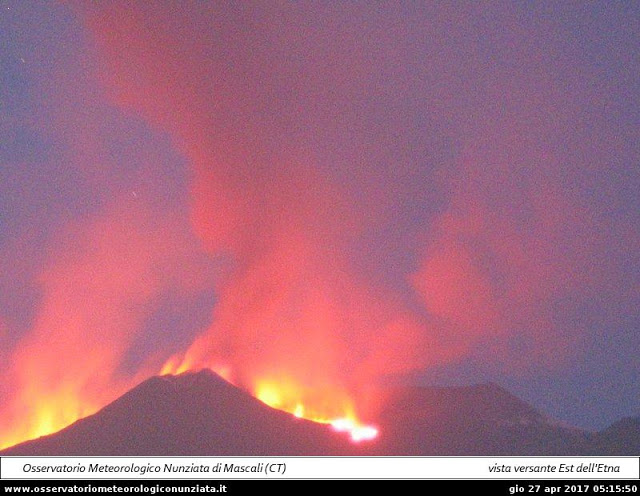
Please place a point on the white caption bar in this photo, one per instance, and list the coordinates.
(319, 468)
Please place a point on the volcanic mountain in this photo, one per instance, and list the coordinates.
(202, 414)
(623, 437)
(480, 420)
(189, 414)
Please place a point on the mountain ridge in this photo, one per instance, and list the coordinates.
(199, 413)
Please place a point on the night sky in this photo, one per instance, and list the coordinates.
(319, 196)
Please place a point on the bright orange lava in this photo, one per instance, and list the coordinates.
(341, 417)
(328, 406)
(52, 414)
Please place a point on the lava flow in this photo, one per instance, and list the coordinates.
(339, 414)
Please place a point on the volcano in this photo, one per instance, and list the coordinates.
(188, 414)
(199, 414)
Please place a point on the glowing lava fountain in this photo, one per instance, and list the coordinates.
(342, 419)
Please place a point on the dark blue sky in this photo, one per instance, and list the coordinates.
(329, 193)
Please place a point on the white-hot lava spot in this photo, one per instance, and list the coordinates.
(358, 432)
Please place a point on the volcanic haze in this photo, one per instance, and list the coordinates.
(313, 200)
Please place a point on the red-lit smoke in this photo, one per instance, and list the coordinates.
(291, 309)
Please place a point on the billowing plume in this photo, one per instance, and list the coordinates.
(292, 310)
